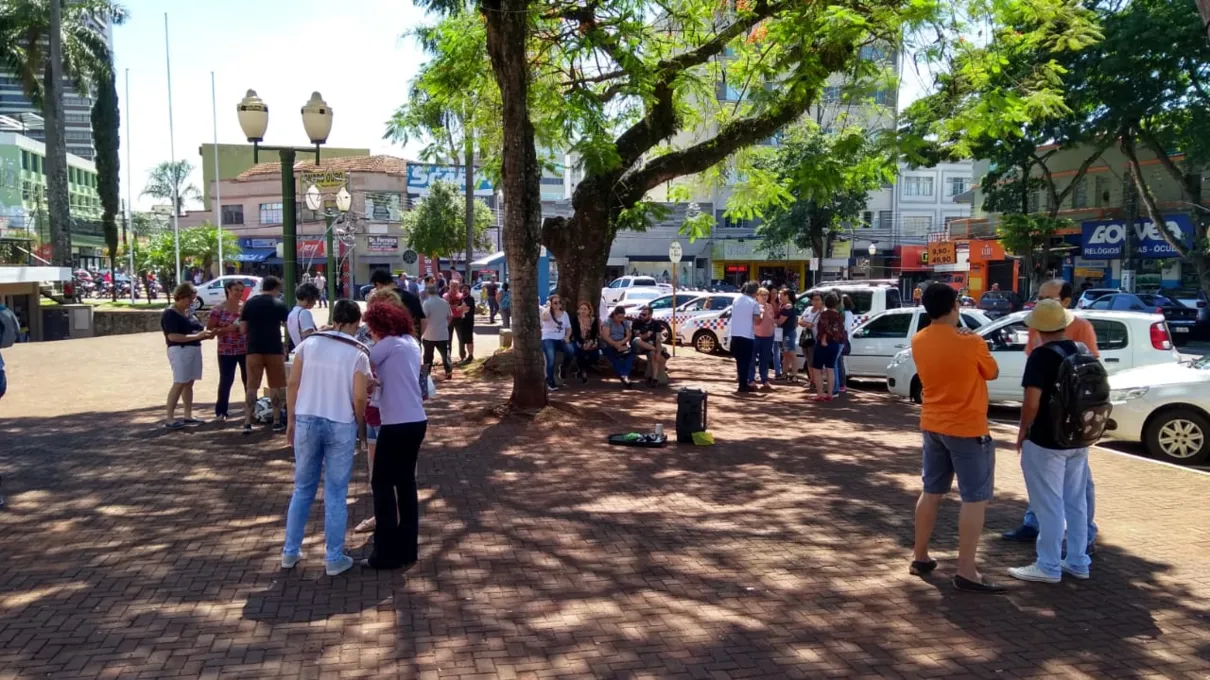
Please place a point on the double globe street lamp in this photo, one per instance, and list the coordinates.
(317, 201)
(317, 122)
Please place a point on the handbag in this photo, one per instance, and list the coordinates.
(806, 338)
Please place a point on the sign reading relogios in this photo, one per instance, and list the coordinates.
(1106, 239)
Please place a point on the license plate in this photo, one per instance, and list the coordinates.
(1180, 329)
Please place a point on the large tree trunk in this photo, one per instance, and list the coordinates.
(56, 147)
(507, 36)
(581, 245)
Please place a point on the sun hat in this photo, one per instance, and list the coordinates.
(1049, 316)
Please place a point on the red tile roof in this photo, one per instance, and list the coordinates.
(389, 165)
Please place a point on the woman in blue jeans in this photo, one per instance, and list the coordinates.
(556, 335)
(326, 398)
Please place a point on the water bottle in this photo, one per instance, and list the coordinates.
(659, 429)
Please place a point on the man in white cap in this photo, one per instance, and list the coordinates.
(1055, 475)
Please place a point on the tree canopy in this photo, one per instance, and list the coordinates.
(170, 181)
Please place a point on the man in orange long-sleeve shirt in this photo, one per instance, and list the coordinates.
(1081, 331)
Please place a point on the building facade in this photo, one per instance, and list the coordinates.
(24, 213)
(235, 159)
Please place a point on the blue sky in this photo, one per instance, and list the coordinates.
(350, 51)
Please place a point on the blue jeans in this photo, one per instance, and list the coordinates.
(840, 372)
(1090, 494)
(1057, 480)
(320, 445)
(762, 358)
(621, 364)
(3, 382)
(549, 349)
(227, 363)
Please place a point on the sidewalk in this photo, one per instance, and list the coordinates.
(131, 552)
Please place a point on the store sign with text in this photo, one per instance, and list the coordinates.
(942, 252)
(1106, 239)
(382, 244)
(311, 249)
(422, 177)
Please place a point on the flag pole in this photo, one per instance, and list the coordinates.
(129, 200)
(176, 217)
(218, 194)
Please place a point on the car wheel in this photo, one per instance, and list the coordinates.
(1180, 436)
(665, 333)
(705, 342)
(197, 304)
(916, 391)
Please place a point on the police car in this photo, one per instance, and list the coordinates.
(709, 332)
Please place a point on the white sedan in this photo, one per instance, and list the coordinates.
(1167, 408)
(875, 342)
(1125, 340)
(214, 292)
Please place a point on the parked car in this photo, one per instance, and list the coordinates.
(213, 292)
(612, 294)
(1181, 319)
(1194, 298)
(719, 286)
(1167, 408)
(875, 342)
(696, 305)
(709, 332)
(869, 298)
(661, 309)
(998, 303)
(1125, 340)
(1092, 294)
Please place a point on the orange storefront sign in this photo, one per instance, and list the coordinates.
(943, 252)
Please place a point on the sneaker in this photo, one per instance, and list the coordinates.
(339, 567)
(246, 430)
(289, 561)
(1033, 573)
(552, 387)
(175, 425)
(1022, 534)
(194, 422)
(279, 428)
(1082, 575)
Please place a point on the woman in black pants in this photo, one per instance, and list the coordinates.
(396, 360)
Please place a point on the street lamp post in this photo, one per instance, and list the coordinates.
(344, 201)
(317, 121)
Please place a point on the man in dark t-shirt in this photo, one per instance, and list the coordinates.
(261, 322)
(492, 305)
(382, 278)
(1056, 477)
(647, 342)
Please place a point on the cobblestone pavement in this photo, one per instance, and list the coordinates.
(130, 552)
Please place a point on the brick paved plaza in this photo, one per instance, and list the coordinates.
(130, 552)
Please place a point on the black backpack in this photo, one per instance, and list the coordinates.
(1079, 407)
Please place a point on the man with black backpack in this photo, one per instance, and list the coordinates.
(1066, 409)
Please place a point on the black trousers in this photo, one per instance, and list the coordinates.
(396, 505)
(226, 379)
(587, 358)
(442, 347)
(741, 349)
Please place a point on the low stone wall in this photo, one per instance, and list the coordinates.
(113, 322)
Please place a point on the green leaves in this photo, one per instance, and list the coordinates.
(437, 225)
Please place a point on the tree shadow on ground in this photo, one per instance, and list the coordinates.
(779, 552)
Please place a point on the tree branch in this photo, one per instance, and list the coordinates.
(1153, 143)
(1153, 208)
(703, 155)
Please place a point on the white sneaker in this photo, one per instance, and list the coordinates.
(1032, 573)
(289, 561)
(340, 566)
(1082, 575)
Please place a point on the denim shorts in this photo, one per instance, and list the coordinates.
(372, 432)
(972, 459)
(789, 341)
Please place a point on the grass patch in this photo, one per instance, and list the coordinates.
(124, 305)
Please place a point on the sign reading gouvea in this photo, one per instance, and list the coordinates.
(421, 178)
(1106, 239)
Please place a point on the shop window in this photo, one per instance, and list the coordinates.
(270, 213)
(233, 214)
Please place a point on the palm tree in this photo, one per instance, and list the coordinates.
(170, 181)
(42, 42)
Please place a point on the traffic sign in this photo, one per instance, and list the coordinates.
(675, 252)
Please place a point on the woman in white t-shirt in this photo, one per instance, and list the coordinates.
(300, 323)
(556, 335)
(326, 401)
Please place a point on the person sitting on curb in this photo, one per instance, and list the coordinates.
(616, 334)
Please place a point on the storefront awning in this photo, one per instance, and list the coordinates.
(617, 262)
(255, 254)
(490, 260)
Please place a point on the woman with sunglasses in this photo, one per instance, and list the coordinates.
(556, 335)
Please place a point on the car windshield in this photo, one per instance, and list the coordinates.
(642, 295)
(1156, 301)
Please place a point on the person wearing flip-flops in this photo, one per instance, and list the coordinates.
(183, 334)
(954, 367)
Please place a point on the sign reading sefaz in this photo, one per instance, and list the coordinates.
(1106, 239)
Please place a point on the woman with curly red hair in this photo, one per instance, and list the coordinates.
(396, 360)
